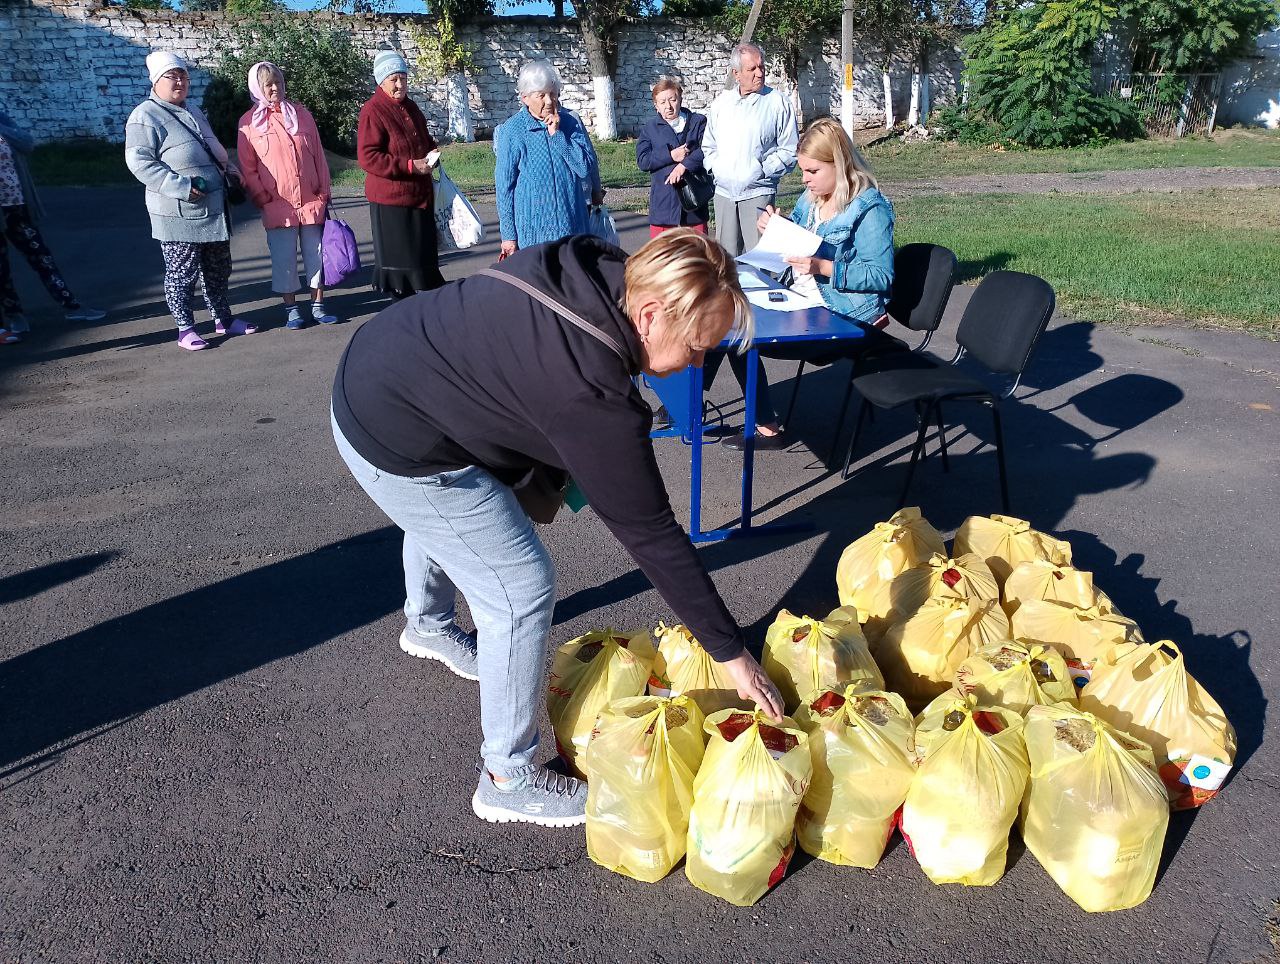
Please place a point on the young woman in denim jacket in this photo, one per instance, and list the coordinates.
(853, 269)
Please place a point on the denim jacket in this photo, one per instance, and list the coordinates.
(859, 241)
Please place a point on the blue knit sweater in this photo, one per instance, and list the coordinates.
(543, 182)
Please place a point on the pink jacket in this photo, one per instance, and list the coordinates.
(285, 175)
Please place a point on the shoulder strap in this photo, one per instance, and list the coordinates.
(567, 314)
(197, 135)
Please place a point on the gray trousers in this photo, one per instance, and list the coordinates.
(736, 222)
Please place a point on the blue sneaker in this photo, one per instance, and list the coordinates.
(319, 314)
(295, 319)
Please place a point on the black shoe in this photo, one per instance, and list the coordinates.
(720, 431)
(662, 418)
(764, 443)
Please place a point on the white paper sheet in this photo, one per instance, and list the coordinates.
(749, 279)
(782, 239)
(792, 300)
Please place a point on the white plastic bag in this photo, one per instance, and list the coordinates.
(457, 224)
(600, 223)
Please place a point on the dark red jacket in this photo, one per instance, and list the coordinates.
(390, 137)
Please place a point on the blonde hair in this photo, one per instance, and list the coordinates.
(667, 83)
(825, 140)
(267, 71)
(692, 275)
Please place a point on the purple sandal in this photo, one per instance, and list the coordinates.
(190, 340)
(238, 326)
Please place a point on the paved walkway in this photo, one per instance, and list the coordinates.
(212, 749)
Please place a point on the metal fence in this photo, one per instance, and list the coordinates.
(1171, 105)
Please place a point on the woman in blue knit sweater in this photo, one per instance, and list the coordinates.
(546, 166)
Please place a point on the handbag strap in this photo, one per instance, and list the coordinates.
(566, 313)
(197, 136)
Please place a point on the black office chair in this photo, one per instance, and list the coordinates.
(1000, 327)
(923, 276)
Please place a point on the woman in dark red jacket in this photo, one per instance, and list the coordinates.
(398, 155)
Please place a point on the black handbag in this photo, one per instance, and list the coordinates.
(696, 189)
(541, 493)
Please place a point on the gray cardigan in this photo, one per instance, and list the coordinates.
(163, 151)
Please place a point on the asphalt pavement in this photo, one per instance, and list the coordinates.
(211, 747)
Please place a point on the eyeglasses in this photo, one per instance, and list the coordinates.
(175, 76)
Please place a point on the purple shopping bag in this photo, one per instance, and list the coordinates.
(339, 251)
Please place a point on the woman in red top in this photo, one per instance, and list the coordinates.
(398, 155)
(287, 176)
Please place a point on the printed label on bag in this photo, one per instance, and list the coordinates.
(1193, 782)
(1203, 773)
(1080, 671)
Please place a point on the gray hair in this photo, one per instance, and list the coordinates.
(735, 55)
(536, 76)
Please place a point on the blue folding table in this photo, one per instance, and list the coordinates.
(682, 395)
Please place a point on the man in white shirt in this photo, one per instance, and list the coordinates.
(749, 145)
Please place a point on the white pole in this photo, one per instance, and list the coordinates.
(846, 60)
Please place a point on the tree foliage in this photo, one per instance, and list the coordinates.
(323, 71)
(1197, 35)
(784, 26)
(1030, 79)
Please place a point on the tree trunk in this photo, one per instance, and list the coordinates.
(913, 112)
(889, 119)
(598, 38)
(461, 123)
(559, 8)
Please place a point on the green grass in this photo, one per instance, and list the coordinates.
(895, 161)
(1210, 258)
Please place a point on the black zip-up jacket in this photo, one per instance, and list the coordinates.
(479, 373)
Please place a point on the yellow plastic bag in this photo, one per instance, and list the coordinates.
(1148, 693)
(1095, 813)
(862, 743)
(868, 565)
(1040, 579)
(1016, 677)
(965, 577)
(587, 673)
(966, 792)
(682, 666)
(803, 656)
(640, 765)
(919, 657)
(1082, 635)
(1004, 541)
(742, 828)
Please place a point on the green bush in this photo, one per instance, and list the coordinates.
(324, 72)
(1029, 75)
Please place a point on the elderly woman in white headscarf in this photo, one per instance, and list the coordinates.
(287, 177)
(546, 165)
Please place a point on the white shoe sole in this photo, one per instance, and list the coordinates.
(413, 649)
(498, 815)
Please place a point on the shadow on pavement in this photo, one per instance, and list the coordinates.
(35, 581)
(134, 663)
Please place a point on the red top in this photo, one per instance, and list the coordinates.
(392, 134)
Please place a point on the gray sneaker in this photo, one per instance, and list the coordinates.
(547, 798)
(86, 314)
(453, 647)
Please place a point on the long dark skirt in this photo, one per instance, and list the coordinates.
(405, 258)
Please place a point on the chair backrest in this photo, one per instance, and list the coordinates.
(1004, 319)
(923, 276)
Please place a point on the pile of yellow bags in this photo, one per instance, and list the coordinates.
(804, 656)
(1000, 638)
(640, 766)
(742, 828)
(586, 674)
(862, 742)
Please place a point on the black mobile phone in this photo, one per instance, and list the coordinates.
(777, 296)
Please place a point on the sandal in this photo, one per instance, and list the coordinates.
(8, 337)
(238, 326)
(190, 340)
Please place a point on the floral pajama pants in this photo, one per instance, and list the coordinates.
(15, 222)
(185, 262)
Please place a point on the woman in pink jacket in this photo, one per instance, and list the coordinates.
(287, 176)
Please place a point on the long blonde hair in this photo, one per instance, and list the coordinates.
(825, 140)
(693, 276)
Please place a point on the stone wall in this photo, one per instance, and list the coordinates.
(95, 54)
